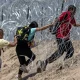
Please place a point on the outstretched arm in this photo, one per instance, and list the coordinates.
(76, 25)
(45, 27)
(12, 44)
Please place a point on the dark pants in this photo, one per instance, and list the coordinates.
(23, 51)
(63, 46)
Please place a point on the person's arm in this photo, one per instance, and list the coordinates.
(55, 21)
(73, 22)
(45, 27)
(76, 25)
(12, 44)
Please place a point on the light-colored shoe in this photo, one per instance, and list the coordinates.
(23, 68)
(41, 66)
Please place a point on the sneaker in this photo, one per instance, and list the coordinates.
(41, 66)
(44, 64)
(19, 77)
(23, 68)
(39, 70)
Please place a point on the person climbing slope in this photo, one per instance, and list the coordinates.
(23, 49)
(62, 34)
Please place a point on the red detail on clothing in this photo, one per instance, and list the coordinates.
(64, 29)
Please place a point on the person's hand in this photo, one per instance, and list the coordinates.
(31, 44)
(15, 38)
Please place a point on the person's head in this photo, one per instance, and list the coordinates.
(72, 9)
(33, 24)
(1, 33)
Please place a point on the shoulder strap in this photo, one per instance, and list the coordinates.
(66, 15)
(58, 23)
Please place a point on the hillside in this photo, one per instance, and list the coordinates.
(70, 70)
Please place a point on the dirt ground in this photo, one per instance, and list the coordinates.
(70, 68)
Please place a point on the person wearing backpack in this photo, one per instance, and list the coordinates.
(62, 33)
(23, 49)
(4, 43)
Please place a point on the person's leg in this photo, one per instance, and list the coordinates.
(58, 53)
(70, 49)
(31, 57)
(22, 62)
(53, 57)
(22, 59)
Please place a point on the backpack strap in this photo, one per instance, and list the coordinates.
(58, 23)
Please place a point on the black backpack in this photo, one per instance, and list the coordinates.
(22, 33)
(57, 24)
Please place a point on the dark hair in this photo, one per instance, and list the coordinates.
(1, 31)
(33, 24)
(71, 7)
